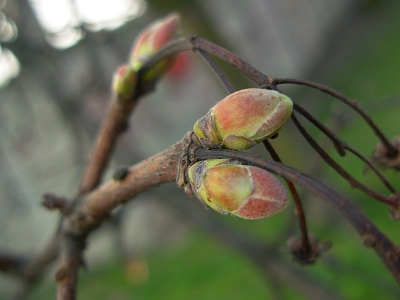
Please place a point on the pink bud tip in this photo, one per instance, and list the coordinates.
(152, 39)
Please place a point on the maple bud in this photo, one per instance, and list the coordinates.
(231, 188)
(243, 119)
(124, 82)
(152, 39)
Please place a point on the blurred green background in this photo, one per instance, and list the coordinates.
(183, 253)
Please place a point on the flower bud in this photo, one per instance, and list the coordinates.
(124, 82)
(243, 119)
(152, 39)
(231, 188)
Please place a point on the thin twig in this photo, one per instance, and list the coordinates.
(217, 70)
(52, 202)
(391, 202)
(391, 150)
(234, 60)
(341, 145)
(299, 207)
(373, 168)
(171, 48)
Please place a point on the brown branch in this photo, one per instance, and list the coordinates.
(194, 43)
(114, 124)
(92, 209)
(217, 71)
(67, 273)
(234, 60)
(158, 169)
(52, 202)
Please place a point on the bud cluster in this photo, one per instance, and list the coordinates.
(149, 41)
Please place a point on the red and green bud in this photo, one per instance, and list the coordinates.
(152, 39)
(231, 188)
(243, 119)
(124, 82)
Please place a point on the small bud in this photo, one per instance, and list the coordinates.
(386, 160)
(243, 119)
(124, 82)
(306, 255)
(231, 188)
(152, 39)
(120, 173)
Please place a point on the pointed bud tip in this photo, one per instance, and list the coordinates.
(153, 38)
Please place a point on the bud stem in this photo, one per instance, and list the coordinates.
(296, 198)
(217, 70)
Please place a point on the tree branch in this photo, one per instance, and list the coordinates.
(114, 124)
(158, 169)
(217, 71)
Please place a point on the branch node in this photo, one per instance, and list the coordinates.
(61, 273)
(120, 173)
(394, 211)
(385, 158)
(369, 240)
(191, 143)
(52, 202)
(306, 255)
